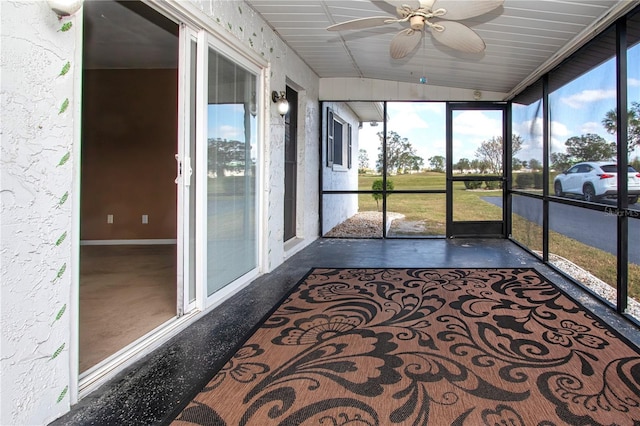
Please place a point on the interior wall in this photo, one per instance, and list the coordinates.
(129, 142)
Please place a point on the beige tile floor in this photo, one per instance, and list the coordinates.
(125, 292)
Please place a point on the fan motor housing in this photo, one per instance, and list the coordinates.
(417, 22)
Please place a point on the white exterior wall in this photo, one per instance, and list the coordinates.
(339, 207)
(39, 143)
(39, 100)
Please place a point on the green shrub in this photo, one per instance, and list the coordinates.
(537, 180)
(472, 184)
(493, 184)
(524, 180)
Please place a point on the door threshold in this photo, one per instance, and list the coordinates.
(107, 369)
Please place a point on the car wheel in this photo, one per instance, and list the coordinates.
(557, 187)
(633, 199)
(589, 193)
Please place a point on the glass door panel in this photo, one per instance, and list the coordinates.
(231, 206)
(476, 170)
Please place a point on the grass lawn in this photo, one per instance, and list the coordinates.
(467, 205)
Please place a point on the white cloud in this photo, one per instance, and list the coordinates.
(531, 133)
(230, 132)
(633, 82)
(406, 121)
(559, 129)
(529, 128)
(557, 145)
(591, 127)
(587, 96)
(478, 124)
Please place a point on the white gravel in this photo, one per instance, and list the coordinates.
(593, 283)
(367, 224)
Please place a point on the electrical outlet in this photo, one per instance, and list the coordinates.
(145, 218)
(109, 218)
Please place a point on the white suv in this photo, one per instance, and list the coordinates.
(595, 179)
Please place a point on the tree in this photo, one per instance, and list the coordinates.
(226, 155)
(463, 164)
(479, 165)
(491, 151)
(516, 164)
(363, 160)
(590, 147)
(416, 163)
(401, 156)
(633, 131)
(560, 161)
(437, 163)
(377, 186)
(535, 164)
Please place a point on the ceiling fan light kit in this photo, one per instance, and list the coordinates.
(419, 14)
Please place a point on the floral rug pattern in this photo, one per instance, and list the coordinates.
(425, 347)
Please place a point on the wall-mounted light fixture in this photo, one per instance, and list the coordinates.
(65, 7)
(281, 102)
(253, 108)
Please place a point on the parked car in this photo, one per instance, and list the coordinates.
(595, 179)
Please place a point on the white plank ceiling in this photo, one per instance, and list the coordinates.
(522, 37)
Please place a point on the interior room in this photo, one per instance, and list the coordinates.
(128, 217)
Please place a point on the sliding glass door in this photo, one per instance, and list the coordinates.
(231, 206)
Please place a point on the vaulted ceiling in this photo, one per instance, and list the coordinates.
(523, 38)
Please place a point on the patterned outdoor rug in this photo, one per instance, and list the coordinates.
(426, 347)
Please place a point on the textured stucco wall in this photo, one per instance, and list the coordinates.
(250, 29)
(36, 166)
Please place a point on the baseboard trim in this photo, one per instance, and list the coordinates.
(127, 242)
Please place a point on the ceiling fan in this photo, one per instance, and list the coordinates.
(419, 14)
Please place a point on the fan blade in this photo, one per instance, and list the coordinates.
(361, 23)
(404, 42)
(458, 36)
(427, 4)
(413, 4)
(457, 10)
